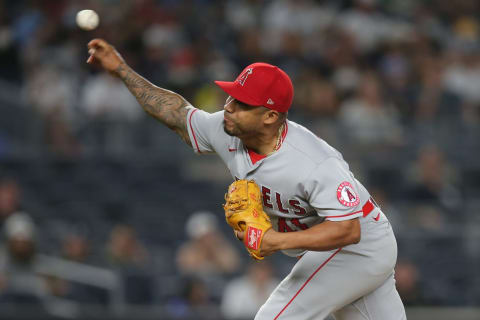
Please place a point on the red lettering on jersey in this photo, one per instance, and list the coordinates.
(266, 197)
(279, 203)
(298, 224)
(282, 225)
(298, 210)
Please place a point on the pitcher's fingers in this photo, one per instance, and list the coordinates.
(90, 59)
(239, 235)
(97, 43)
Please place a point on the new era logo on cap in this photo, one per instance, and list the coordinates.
(261, 84)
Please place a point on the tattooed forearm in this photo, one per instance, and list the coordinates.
(168, 107)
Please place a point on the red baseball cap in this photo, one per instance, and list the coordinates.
(261, 84)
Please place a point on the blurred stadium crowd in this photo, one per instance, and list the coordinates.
(95, 196)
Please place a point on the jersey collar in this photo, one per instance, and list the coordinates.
(255, 157)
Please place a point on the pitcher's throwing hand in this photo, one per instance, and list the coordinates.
(104, 55)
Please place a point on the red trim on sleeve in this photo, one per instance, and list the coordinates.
(366, 209)
(193, 132)
(344, 215)
(308, 280)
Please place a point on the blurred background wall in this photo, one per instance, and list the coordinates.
(100, 206)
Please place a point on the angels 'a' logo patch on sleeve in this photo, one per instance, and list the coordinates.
(346, 195)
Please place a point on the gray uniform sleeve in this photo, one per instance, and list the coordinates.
(205, 130)
(333, 191)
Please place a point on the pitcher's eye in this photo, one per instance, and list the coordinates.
(244, 105)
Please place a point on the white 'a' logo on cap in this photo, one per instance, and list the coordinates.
(244, 76)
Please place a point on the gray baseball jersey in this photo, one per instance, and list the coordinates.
(303, 183)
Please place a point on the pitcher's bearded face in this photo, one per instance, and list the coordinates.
(241, 119)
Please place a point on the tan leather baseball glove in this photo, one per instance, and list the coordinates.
(244, 212)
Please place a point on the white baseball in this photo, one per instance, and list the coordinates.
(87, 19)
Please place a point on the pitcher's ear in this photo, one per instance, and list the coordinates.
(271, 116)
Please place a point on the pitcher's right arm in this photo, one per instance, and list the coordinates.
(164, 105)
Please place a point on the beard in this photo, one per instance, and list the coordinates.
(230, 132)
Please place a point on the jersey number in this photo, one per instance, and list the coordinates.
(283, 226)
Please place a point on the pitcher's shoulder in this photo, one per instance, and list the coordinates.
(305, 142)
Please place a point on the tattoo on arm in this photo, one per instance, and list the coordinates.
(166, 106)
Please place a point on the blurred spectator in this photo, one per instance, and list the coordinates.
(124, 250)
(462, 74)
(291, 18)
(157, 40)
(370, 25)
(126, 254)
(408, 283)
(397, 73)
(10, 68)
(10, 194)
(207, 251)
(111, 111)
(434, 100)
(19, 282)
(342, 60)
(243, 14)
(315, 97)
(433, 183)
(243, 296)
(51, 92)
(317, 102)
(194, 302)
(76, 247)
(368, 118)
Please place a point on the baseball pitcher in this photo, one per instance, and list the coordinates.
(292, 192)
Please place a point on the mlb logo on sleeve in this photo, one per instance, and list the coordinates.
(346, 195)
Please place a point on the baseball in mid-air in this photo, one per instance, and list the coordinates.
(87, 19)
